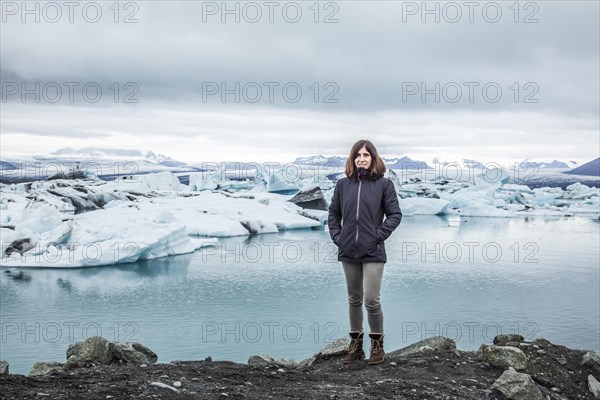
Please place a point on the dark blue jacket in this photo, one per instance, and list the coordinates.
(356, 214)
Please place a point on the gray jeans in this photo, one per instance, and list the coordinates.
(364, 281)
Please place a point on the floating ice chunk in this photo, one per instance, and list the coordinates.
(202, 181)
(517, 198)
(274, 181)
(258, 226)
(514, 187)
(58, 235)
(214, 225)
(165, 217)
(320, 181)
(236, 185)
(547, 196)
(38, 218)
(209, 181)
(492, 177)
(112, 236)
(223, 214)
(490, 194)
(144, 183)
(198, 243)
(475, 209)
(585, 207)
(580, 191)
(423, 206)
(8, 236)
(277, 184)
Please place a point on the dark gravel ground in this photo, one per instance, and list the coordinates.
(434, 374)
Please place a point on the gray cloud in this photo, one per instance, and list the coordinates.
(369, 54)
(370, 58)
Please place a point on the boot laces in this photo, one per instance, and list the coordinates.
(353, 345)
(376, 346)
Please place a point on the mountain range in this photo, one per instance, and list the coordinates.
(100, 153)
(116, 162)
(339, 161)
(406, 162)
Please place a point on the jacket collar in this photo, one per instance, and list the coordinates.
(362, 173)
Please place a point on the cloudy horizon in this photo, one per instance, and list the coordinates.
(494, 82)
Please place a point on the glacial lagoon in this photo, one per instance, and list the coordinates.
(284, 294)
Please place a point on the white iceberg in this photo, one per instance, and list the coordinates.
(155, 216)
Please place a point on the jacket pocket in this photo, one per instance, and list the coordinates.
(370, 241)
(378, 234)
(343, 241)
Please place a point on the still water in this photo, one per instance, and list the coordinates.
(284, 294)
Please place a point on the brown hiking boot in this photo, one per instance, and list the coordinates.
(355, 351)
(377, 353)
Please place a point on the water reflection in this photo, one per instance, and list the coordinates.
(107, 279)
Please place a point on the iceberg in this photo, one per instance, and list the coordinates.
(102, 237)
(89, 222)
(163, 220)
(491, 195)
(208, 181)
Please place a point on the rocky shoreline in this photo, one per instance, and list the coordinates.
(433, 368)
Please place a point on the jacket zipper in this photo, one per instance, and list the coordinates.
(357, 209)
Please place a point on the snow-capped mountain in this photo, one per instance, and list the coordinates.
(87, 153)
(521, 164)
(97, 152)
(590, 168)
(404, 162)
(541, 163)
(163, 160)
(339, 161)
(5, 166)
(464, 163)
(336, 161)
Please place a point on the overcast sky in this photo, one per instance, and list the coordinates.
(492, 81)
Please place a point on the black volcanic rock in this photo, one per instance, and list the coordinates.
(312, 199)
(441, 373)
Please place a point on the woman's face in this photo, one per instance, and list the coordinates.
(363, 159)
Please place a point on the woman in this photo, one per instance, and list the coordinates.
(356, 226)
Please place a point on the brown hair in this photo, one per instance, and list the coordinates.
(377, 165)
